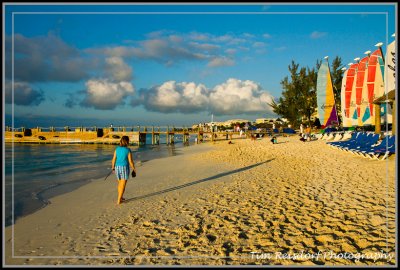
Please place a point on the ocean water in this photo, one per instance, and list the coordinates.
(36, 172)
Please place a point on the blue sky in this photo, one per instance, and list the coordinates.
(171, 64)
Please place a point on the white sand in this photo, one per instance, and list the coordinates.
(217, 203)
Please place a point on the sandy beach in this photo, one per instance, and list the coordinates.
(250, 202)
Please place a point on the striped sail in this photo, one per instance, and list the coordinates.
(363, 120)
(352, 105)
(373, 87)
(348, 79)
(325, 98)
(389, 78)
(360, 87)
(343, 98)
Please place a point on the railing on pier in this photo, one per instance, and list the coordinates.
(112, 135)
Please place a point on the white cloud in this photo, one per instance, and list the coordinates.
(171, 48)
(117, 69)
(103, 94)
(199, 36)
(221, 61)
(223, 38)
(161, 49)
(204, 46)
(175, 38)
(229, 98)
(236, 97)
(316, 34)
(175, 97)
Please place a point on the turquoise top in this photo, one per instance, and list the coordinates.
(122, 156)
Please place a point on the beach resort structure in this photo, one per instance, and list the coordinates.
(137, 135)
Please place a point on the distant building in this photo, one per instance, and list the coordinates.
(213, 124)
(261, 120)
(228, 123)
(265, 120)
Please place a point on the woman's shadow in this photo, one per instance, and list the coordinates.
(196, 182)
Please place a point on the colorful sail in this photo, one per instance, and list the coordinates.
(390, 67)
(347, 89)
(360, 87)
(353, 105)
(325, 98)
(362, 120)
(373, 87)
(389, 78)
(343, 98)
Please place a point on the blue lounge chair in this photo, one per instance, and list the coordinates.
(361, 140)
(384, 150)
(366, 145)
(364, 151)
(353, 138)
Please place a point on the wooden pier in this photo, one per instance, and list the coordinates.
(112, 135)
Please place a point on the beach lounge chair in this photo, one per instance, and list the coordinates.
(362, 139)
(389, 152)
(347, 138)
(338, 137)
(370, 141)
(347, 135)
(365, 150)
(386, 148)
(340, 144)
(318, 136)
(329, 136)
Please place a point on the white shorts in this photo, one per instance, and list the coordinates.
(122, 172)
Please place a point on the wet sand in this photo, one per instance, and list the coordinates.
(250, 202)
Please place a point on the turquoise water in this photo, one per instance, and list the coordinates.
(36, 172)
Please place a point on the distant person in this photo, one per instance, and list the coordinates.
(301, 129)
(274, 140)
(120, 165)
(307, 134)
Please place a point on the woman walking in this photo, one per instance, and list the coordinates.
(120, 164)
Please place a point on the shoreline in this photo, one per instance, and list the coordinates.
(42, 197)
(216, 204)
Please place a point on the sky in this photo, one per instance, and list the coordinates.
(170, 64)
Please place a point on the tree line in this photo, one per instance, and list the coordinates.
(299, 95)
